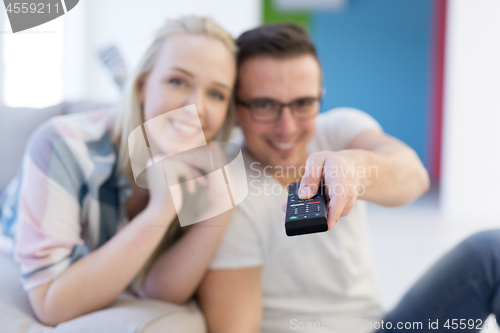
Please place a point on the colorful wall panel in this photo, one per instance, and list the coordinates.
(378, 56)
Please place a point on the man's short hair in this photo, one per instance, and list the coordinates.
(281, 41)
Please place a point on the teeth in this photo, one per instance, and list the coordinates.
(283, 145)
(184, 128)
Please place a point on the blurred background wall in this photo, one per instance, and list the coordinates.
(471, 145)
(64, 51)
(427, 70)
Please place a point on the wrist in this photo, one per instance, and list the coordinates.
(360, 165)
(219, 221)
(158, 216)
(352, 157)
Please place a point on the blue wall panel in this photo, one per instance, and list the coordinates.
(376, 57)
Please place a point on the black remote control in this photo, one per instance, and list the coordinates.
(305, 216)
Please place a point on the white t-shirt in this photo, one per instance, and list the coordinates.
(315, 282)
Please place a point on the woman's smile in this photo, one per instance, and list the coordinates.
(183, 129)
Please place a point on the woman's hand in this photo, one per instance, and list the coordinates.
(168, 201)
(199, 166)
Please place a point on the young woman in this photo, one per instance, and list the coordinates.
(83, 230)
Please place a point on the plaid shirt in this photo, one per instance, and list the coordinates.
(67, 199)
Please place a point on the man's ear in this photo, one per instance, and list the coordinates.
(323, 92)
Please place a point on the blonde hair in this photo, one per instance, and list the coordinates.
(131, 115)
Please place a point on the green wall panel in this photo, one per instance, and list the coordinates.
(271, 14)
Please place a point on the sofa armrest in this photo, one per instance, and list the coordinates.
(127, 314)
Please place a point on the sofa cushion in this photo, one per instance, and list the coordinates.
(127, 314)
(132, 315)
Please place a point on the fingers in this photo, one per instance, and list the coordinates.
(335, 208)
(337, 199)
(199, 158)
(177, 172)
(312, 177)
(339, 205)
(348, 207)
(202, 181)
(283, 207)
(191, 187)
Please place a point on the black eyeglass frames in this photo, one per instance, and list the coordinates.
(266, 110)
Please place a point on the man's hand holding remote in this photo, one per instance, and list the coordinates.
(342, 184)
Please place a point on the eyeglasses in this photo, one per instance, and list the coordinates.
(266, 110)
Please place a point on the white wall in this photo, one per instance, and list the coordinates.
(3, 17)
(130, 25)
(76, 56)
(471, 136)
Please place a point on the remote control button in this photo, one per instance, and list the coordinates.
(293, 217)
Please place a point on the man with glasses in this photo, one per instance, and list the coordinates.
(260, 279)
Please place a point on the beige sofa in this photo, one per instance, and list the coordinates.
(127, 313)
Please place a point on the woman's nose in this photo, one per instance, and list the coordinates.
(197, 98)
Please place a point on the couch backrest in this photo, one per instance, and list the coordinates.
(16, 126)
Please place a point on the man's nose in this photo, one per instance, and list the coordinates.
(287, 123)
